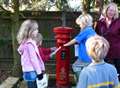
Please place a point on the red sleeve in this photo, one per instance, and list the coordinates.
(44, 53)
(46, 50)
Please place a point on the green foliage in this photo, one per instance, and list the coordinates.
(118, 2)
(61, 4)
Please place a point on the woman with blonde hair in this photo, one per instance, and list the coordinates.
(109, 27)
(85, 22)
(98, 74)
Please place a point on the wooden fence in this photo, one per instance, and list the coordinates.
(46, 20)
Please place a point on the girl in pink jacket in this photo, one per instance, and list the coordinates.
(31, 62)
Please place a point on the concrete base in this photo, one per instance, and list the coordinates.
(10, 82)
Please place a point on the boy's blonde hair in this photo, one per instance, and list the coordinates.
(86, 19)
(26, 28)
(104, 13)
(97, 47)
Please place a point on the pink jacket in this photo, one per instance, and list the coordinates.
(30, 58)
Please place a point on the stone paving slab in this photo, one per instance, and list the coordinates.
(51, 83)
(9, 82)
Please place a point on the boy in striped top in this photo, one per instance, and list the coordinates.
(98, 74)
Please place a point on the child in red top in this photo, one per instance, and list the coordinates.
(45, 53)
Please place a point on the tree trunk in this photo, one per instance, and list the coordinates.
(15, 25)
(86, 6)
(63, 18)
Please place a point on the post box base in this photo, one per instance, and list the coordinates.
(62, 86)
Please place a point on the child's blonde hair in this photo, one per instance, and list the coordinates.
(26, 28)
(97, 47)
(86, 19)
(38, 38)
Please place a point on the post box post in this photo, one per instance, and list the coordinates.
(62, 36)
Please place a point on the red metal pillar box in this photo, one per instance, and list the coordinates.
(62, 36)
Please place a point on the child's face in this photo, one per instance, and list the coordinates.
(40, 43)
(35, 32)
(80, 21)
(82, 25)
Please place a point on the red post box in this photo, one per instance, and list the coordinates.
(62, 36)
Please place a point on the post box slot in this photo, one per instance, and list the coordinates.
(63, 54)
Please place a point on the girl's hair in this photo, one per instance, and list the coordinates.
(104, 13)
(97, 47)
(38, 38)
(26, 29)
(86, 19)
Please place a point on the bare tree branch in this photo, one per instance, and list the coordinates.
(3, 8)
(7, 9)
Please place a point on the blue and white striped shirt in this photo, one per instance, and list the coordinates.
(100, 75)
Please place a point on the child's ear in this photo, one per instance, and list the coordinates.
(92, 53)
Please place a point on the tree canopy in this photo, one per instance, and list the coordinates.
(53, 5)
